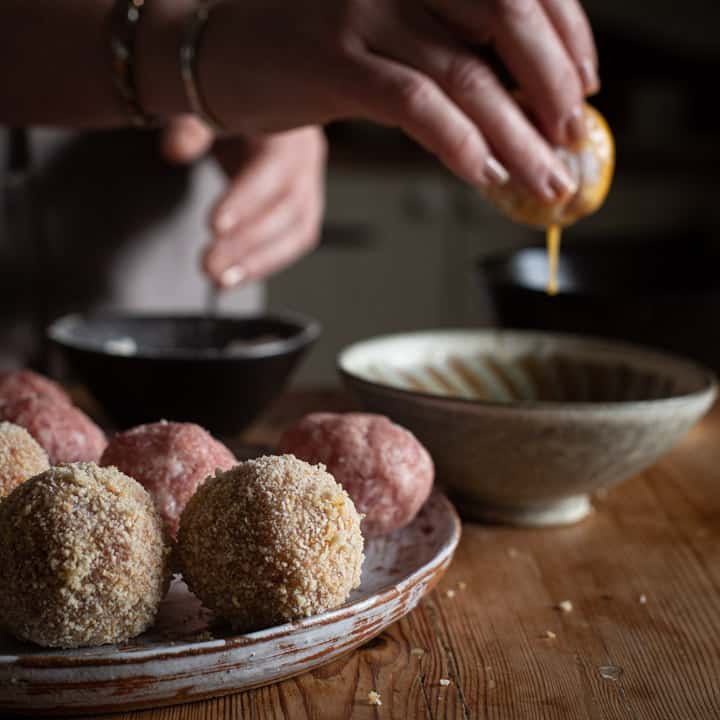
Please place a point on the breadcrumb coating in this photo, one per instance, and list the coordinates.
(83, 559)
(383, 466)
(270, 541)
(20, 457)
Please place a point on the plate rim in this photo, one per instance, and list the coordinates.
(116, 656)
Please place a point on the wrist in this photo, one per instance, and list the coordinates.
(159, 82)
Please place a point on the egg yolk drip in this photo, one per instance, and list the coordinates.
(590, 163)
(553, 252)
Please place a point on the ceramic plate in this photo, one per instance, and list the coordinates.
(189, 656)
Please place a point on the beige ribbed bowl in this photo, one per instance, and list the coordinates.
(525, 426)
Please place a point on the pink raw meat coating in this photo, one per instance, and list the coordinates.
(171, 460)
(383, 467)
(18, 384)
(66, 433)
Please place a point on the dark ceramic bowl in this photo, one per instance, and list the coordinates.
(658, 291)
(219, 372)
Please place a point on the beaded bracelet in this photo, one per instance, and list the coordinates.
(188, 66)
(123, 34)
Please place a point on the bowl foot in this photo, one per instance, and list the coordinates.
(557, 512)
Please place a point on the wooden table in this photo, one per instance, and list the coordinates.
(642, 639)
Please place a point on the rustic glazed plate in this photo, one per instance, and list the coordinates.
(188, 656)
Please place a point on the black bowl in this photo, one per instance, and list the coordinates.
(219, 372)
(658, 291)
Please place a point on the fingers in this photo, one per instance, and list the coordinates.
(530, 47)
(573, 28)
(223, 260)
(532, 51)
(267, 221)
(474, 87)
(184, 139)
(276, 203)
(270, 257)
(393, 94)
(285, 234)
(259, 171)
(253, 188)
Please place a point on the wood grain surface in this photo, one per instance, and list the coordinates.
(642, 639)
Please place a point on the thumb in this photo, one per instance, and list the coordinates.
(184, 139)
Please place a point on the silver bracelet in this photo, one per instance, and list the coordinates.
(188, 66)
(123, 31)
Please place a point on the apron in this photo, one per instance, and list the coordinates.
(104, 222)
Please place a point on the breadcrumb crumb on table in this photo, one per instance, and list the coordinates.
(444, 682)
(374, 698)
(565, 606)
(548, 635)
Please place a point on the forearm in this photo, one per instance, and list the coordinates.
(56, 69)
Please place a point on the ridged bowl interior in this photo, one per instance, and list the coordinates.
(525, 368)
(556, 378)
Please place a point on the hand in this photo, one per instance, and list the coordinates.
(269, 65)
(271, 212)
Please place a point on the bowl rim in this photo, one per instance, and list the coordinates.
(308, 331)
(708, 389)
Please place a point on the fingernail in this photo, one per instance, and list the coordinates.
(496, 171)
(575, 126)
(589, 77)
(225, 221)
(559, 184)
(232, 277)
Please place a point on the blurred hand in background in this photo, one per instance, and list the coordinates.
(271, 212)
